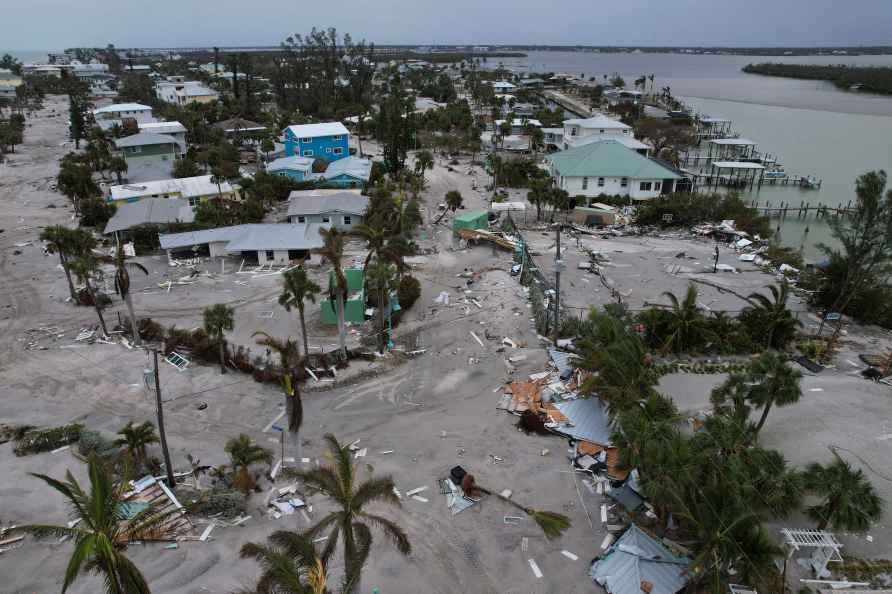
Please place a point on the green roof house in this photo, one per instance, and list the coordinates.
(609, 167)
(472, 219)
(354, 308)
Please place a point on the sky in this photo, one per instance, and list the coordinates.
(58, 24)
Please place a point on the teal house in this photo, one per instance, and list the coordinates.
(354, 308)
(296, 168)
(330, 141)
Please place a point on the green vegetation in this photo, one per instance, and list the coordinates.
(35, 441)
(219, 319)
(875, 79)
(687, 210)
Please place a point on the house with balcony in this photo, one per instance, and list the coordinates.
(119, 114)
(329, 140)
(149, 156)
(608, 167)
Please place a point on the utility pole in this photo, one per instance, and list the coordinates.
(159, 409)
(558, 264)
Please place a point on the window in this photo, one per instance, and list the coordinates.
(585, 183)
(600, 182)
(336, 137)
(339, 151)
(301, 219)
(135, 149)
(348, 220)
(625, 131)
(645, 186)
(306, 140)
(624, 182)
(328, 149)
(601, 131)
(657, 186)
(194, 201)
(574, 131)
(308, 153)
(326, 219)
(270, 255)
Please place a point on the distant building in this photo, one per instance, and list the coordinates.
(175, 130)
(8, 83)
(502, 86)
(622, 97)
(149, 156)
(598, 127)
(518, 125)
(185, 92)
(239, 127)
(342, 210)
(608, 167)
(330, 141)
(192, 190)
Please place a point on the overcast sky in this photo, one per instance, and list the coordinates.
(56, 24)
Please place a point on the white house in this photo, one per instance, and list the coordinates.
(114, 115)
(184, 92)
(503, 86)
(608, 167)
(583, 130)
(271, 243)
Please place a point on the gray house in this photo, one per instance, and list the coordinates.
(149, 156)
(339, 209)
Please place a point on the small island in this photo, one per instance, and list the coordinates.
(873, 79)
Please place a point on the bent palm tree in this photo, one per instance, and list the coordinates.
(770, 382)
(333, 251)
(219, 319)
(136, 438)
(552, 524)
(289, 564)
(848, 500)
(122, 286)
(102, 530)
(780, 320)
(297, 288)
(351, 521)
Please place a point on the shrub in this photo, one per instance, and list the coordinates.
(408, 291)
(220, 500)
(45, 440)
(93, 442)
(815, 350)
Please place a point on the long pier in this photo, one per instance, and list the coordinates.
(802, 211)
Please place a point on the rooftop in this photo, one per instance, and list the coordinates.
(637, 557)
(144, 139)
(517, 122)
(151, 211)
(242, 238)
(290, 163)
(236, 124)
(356, 167)
(599, 121)
(117, 107)
(162, 127)
(608, 158)
(344, 202)
(314, 130)
(186, 187)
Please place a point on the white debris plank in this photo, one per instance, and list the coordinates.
(273, 422)
(207, 532)
(569, 555)
(477, 338)
(419, 498)
(415, 491)
(535, 568)
(608, 540)
(603, 513)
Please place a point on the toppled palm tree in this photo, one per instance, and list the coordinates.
(102, 530)
(553, 524)
(351, 521)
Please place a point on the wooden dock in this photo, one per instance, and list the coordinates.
(803, 210)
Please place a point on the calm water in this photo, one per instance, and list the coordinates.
(815, 128)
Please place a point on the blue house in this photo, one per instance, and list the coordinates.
(296, 168)
(329, 141)
(350, 172)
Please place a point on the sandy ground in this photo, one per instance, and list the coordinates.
(434, 412)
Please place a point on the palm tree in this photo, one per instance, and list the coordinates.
(687, 327)
(85, 267)
(58, 241)
(381, 279)
(454, 201)
(772, 382)
(849, 501)
(102, 531)
(289, 354)
(375, 236)
(350, 521)
(243, 452)
(136, 438)
(333, 251)
(117, 165)
(424, 160)
(219, 319)
(779, 319)
(122, 286)
(297, 288)
(290, 565)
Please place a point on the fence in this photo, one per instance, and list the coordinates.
(541, 290)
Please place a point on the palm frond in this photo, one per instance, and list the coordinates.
(376, 489)
(392, 531)
(552, 524)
